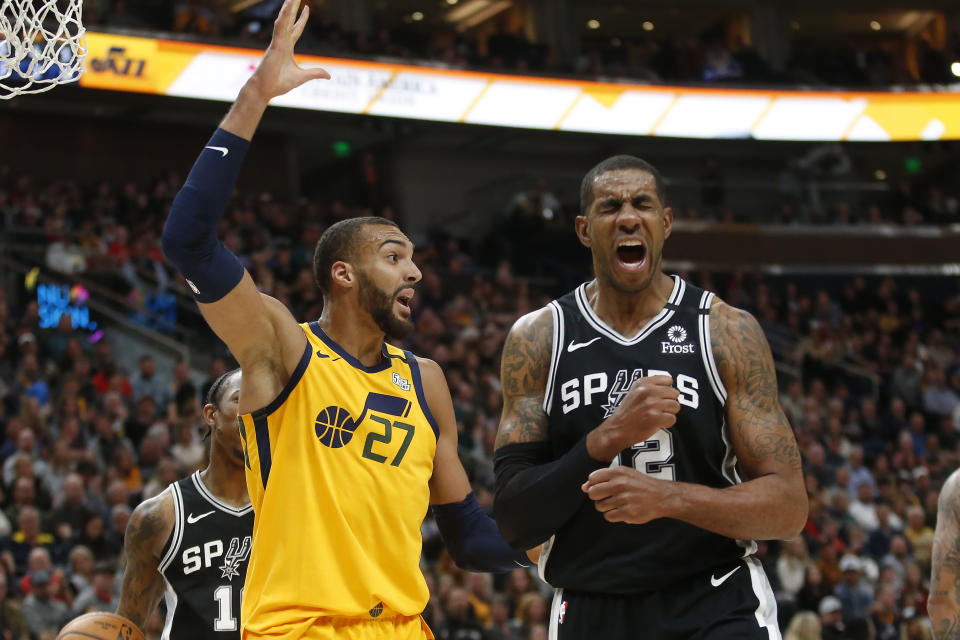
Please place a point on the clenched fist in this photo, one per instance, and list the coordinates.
(650, 405)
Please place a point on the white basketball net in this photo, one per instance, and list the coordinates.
(41, 45)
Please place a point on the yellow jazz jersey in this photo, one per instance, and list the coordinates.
(338, 469)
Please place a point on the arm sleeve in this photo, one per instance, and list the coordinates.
(534, 495)
(472, 538)
(190, 234)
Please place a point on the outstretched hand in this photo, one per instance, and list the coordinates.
(278, 72)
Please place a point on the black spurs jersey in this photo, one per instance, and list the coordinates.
(204, 564)
(592, 368)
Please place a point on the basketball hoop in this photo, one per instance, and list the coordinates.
(41, 45)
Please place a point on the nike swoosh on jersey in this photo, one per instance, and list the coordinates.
(192, 518)
(573, 346)
(222, 150)
(719, 581)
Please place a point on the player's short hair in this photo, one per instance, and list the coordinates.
(215, 392)
(338, 243)
(617, 163)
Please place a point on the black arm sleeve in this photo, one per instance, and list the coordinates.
(535, 495)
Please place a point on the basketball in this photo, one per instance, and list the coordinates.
(102, 626)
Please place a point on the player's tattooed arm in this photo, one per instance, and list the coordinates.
(523, 376)
(764, 438)
(147, 532)
(535, 492)
(944, 601)
(772, 502)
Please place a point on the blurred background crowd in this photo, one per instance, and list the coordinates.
(870, 379)
(104, 360)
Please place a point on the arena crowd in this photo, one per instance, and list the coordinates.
(711, 56)
(870, 380)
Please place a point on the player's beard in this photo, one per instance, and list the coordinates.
(379, 304)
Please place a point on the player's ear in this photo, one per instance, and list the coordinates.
(582, 227)
(342, 273)
(207, 412)
(667, 222)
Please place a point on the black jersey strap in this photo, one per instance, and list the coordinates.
(535, 495)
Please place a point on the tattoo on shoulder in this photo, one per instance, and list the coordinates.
(523, 376)
(746, 366)
(526, 353)
(143, 528)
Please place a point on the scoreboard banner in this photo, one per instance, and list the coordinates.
(192, 70)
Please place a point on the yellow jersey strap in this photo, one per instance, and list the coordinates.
(259, 417)
(418, 386)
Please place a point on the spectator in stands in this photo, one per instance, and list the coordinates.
(864, 509)
(80, 565)
(502, 626)
(146, 383)
(69, 517)
(27, 536)
(125, 468)
(920, 536)
(93, 536)
(42, 613)
(804, 625)
(831, 619)
(855, 599)
(188, 453)
(859, 474)
(461, 622)
(99, 596)
(26, 447)
(143, 417)
(885, 615)
(938, 398)
(40, 560)
(897, 559)
(12, 623)
(791, 567)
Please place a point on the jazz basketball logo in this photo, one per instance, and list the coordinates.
(335, 427)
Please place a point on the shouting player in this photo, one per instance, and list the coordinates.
(642, 436)
(348, 440)
(191, 543)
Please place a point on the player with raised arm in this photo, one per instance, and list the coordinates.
(632, 407)
(190, 544)
(943, 604)
(348, 440)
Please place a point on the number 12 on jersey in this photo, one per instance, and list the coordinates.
(652, 456)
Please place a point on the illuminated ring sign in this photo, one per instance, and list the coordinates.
(406, 91)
